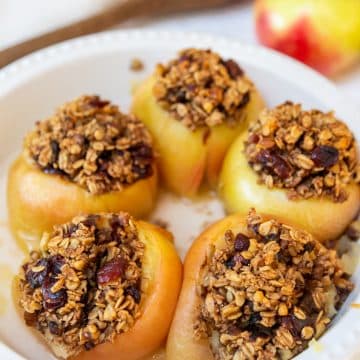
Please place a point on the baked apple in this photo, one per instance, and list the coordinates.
(194, 107)
(296, 164)
(87, 158)
(255, 288)
(101, 286)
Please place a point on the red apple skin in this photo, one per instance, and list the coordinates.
(312, 31)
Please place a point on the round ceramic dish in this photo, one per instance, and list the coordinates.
(99, 64)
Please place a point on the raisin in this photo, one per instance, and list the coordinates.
(230, 263)
(284, 257)
(342, 294)
(245, 99)
(233, 68)
(89, 345)
(309, 246)
(142, 151)
(112, 270)
(55, 149)
(325, 156)
(134, 292)
(54, 328)
(52, 301)
(36, 279)
(259, 330)
(242, 242)
(142, 171)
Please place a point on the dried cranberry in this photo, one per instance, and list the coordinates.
(134, 292)
(241, 260)
(233, 68)
(274, 162)
(56, 262)
(242, 242)
(325, 156)
(52, 301)
(253, 139)
(36, 279)
(112, 270)
(54, 328)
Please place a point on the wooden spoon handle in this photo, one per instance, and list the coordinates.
(114, 15)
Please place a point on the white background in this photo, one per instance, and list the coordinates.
(20, 19)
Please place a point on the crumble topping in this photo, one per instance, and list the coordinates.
(90, 142)
(200, 89)
(310, 153)
(84, 287)
(268, 292)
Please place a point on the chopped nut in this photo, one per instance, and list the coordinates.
(202, 90)
(303, 152)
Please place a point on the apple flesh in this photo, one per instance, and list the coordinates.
(324, 34)
(38, 201)
(239, 188)
(187, 158)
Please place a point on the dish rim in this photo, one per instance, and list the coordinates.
(28, 67)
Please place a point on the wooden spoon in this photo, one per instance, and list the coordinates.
(115, 14)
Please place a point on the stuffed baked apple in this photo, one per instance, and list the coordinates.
(255, 288)
(296, 164)
(194, 107)
(88, 157)
(101, 286)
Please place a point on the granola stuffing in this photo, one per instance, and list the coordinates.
(309, 153)
(200, 89)
(84, 286)
(268, 292)
(90, 142)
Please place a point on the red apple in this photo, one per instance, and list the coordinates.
(324, 34)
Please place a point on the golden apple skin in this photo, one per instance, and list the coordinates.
(187, 158)
(322, 217)
(325, 34)
(37, 201)
(181, 344)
